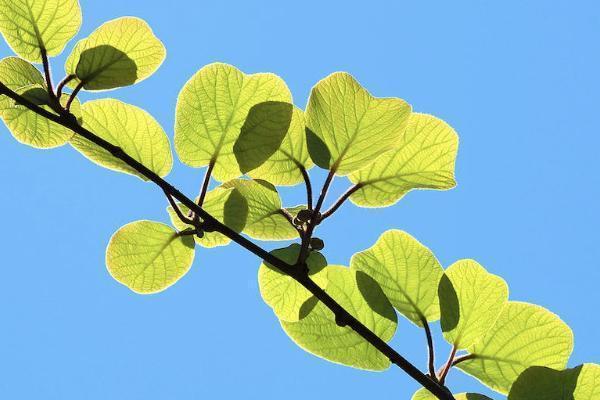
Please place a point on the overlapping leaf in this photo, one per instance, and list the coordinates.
(470, 301)
(28, 26)
(424, 159)
(280, 291)
(347, 127)
(282, 168)
(407, 271)
(264, 219)
(26, 126)
(580, 383)
(119, 53)
(524, 335)
(360, 295)
(424, 394)
(132, 129)
(211, 110)
(148, 256)
(226, 205)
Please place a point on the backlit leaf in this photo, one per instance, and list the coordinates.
(31, 25)
(407, 271)
(119, 53)
(424, 159)
(580, 383)
(211, 110)
(524, 335)
(362, 297)
(148, 256)
(129, 127)
(470, 301)
(424, 394)
(347, 127)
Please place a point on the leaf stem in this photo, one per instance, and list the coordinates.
(306, 177)
(74, 95)
(446, 369)
(69, 121)
(340, 201)
(458, 360)
(62, 84)
(177, 210)
(430, 348)
(47, 72)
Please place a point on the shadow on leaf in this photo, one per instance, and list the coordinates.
(105, 67)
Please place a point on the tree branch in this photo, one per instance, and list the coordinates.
(69, 121)
(340, 201)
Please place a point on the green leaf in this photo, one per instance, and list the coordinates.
(280, 291)
(132, 129)
(282, 168)
(226, 205)
(424, 394)
(524, 335)
(262, 133)
(580, 383)
(318, 333)
(424, 159)
(26, 126)
(119, 53)
(148, 256)
(407, 271)
(211, 110)
(347, 127)
(264, 219)
(31, 25)
(470, 301)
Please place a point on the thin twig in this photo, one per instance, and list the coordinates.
(430, 348)
(341, 314)
(74, 95)
(62, 84)
(340, 201)
(446, 369)
(47, 72)
(462, 358)
(204, 187)
(306, 177)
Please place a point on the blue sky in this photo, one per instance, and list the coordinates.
(518, 80)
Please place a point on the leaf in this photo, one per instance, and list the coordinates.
(264, 219)
(347, 127)
(211, 110)
(424, 394)
(132, 129)
(407, 271)
(31, 25)
(360, 295)
(580, 383)
(148, 256)
(262, 133)
(524, 335)
(424, 159)
(26, 126)
(119, 53)
(226, 205)
(280, 291)
(282, 168)
(470, 301)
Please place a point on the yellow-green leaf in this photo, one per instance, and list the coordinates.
(211, 110)
(407, 271)
(347, 127)
(119, 53)
(129, 127)
(280, 291)
(424, 159)
(226, 205)
(148, 256)
(282, 168)
(470, 301)
(360, 295)
(31, 25)
(524, 335)
(424, 394)
(579, 383)
(264, 219)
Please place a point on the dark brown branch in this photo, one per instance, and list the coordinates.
(62, 84)
(430, 348)
(340, 201)
(69, 121)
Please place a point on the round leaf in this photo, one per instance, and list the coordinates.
(129, 127)
(470, 301)
(524, 335)
(211, 110)
(347, 127)
(580, 383)
(148, 256)
(119, 53)
(407, 271)
(31, 25)
(424, 159)
(318, 333)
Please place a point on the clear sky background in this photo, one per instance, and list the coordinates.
(518, 80)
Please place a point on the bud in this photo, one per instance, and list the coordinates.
(304, 215)
(316, 244)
